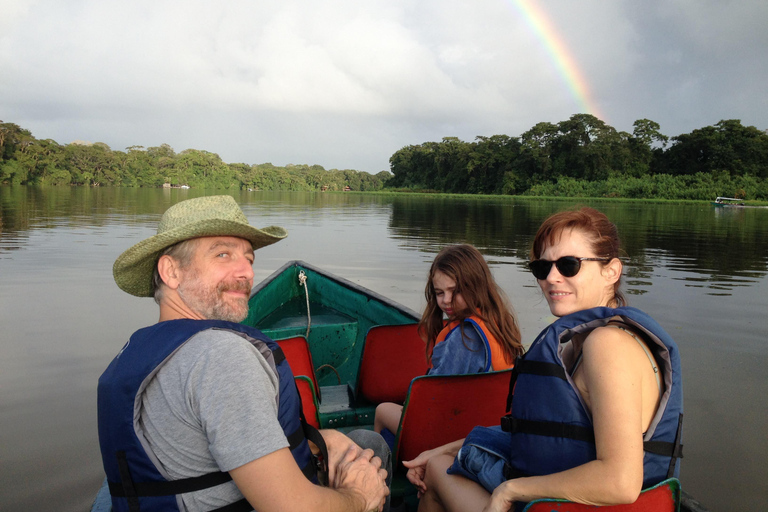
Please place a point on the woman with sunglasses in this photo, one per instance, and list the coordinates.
(597, 407)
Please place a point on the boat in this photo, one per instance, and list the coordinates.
(340, 315)
(350, 335)
(732, 202)
(728, 202)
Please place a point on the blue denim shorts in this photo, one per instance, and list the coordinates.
(484, 457)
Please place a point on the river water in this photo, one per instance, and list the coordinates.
(700, 271)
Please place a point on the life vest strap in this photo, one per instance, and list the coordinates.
(541, 368)
(678, 451)
(318, 467)
(238, 506)
(279, 355)
(547, 428)
(130, 489)
(127, 486)
(666, 449)
(510, 472)
(295, 438)
(663, 448)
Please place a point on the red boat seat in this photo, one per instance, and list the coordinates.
(309, 403)
(663, 497)
(393, 355)
(444, 408)
(296, 350)
(299, 358)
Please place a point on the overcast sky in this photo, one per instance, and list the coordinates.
(345, 84)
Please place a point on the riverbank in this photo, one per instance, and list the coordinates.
(564, 199)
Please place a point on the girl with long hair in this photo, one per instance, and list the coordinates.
(467, 325)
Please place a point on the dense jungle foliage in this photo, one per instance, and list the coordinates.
(580, 157)
(25, 160)
(584, 157)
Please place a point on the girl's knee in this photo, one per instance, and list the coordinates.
(387, 416)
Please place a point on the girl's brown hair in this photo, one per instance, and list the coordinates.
(474, 281)
(601, 232)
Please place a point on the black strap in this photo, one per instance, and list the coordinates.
(547, 428)
(197, 483)
(673, 450)
(128, 487)
(279, 355)
(512, 382)
(307, 431)
(321, 462)
(295, 438)
(510, 472)
(678, 447)
(553, 429)
(238, 506)
(541, 368)
(663, 448)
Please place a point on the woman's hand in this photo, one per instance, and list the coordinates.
(417, 467)
(502, 499)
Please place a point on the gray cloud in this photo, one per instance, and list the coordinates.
(345, 84)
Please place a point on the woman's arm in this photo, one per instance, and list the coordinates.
(610, 379)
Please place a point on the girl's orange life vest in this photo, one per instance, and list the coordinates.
(492, 345)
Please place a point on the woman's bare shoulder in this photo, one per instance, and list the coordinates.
(611, 345)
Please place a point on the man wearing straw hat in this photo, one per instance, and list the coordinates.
(199, 412)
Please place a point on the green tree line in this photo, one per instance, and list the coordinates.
(580, 157)
(585, 157)
(25, 160)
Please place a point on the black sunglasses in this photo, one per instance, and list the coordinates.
(568, 266)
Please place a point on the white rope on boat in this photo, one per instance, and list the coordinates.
(303, 282)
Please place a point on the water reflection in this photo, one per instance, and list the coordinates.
(700, 271)
(717, 248)
(723, 252)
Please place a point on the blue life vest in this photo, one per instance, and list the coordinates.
(495, 359)
(133, 474)
(550, 426)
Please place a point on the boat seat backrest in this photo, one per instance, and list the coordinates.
(309, 403)
(393, 355)
(443, 408)
(296, 350)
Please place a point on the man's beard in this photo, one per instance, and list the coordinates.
(210, 303)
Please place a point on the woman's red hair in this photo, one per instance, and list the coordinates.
(601, 232)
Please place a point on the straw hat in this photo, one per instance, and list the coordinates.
(193, 218)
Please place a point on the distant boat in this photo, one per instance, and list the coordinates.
(727, 201)
(732, 202)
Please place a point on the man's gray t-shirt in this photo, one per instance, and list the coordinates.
(212, 407)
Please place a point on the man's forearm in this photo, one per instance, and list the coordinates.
(274, 482)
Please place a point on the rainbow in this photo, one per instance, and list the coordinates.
(562, 58)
